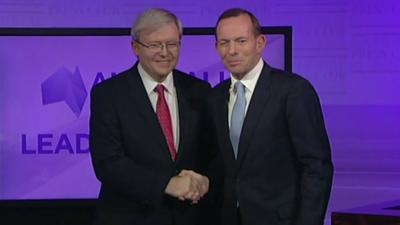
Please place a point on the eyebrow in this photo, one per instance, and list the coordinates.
(225, 39)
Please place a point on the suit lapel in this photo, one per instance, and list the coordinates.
(184, 111)
(138, 94)
(256, 106)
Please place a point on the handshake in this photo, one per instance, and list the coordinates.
(188, 185)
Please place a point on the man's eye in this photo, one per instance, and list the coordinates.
(223, 43)
(172, 45)
(242, 41)
(154, 46)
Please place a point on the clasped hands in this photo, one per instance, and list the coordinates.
(188, 185)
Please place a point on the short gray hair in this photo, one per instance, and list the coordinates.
(152, 19)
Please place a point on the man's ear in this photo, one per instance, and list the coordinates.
(135, 47)
(261, 42)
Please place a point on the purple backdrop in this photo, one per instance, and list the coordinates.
(347, 49)
(46, 107)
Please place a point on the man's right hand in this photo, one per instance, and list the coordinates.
(188, 185)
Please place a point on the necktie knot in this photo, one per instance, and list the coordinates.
(159, 89)
(240, 88)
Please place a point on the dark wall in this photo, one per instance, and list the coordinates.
(53, 212)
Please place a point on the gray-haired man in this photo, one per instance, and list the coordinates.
(146, 132)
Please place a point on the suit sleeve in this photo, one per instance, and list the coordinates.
(112, 167)
(311, 144)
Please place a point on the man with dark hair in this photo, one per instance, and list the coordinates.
(271, 134)
(147, 132)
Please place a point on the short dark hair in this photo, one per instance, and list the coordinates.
(235, 12)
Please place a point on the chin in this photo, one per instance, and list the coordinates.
(164, 73)
(233, 71)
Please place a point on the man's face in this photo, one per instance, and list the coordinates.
(158, 62)
(237, 45)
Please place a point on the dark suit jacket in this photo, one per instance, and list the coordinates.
(283, 172)
(130, 154)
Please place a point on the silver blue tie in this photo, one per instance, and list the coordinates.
(238, 114)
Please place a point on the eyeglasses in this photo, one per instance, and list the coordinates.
(158, 46)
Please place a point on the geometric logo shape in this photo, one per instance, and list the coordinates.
(63, 85)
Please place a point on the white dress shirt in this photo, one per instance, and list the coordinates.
(249, 81)
(170, 96)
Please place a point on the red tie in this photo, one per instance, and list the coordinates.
(164, 117)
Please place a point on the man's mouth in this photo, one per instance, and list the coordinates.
(234, 62)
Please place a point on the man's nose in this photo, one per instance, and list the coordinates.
(232, 48)
(164, 50)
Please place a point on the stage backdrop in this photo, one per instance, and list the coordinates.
(45, 101)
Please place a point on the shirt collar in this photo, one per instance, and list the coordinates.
(249, 80)
(150, 84)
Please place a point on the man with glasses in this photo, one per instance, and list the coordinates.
(147, 132)
(271, 134)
